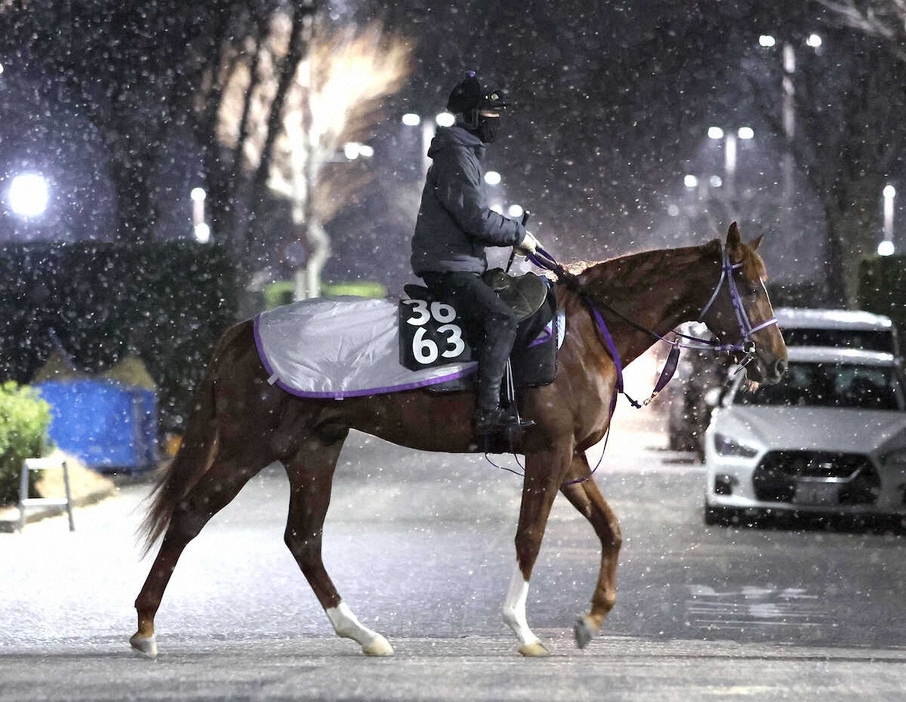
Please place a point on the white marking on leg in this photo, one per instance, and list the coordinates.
(348, 626)
(514, 609)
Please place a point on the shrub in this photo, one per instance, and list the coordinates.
(24, 421)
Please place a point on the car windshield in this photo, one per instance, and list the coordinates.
(831, 385)
(867, 339)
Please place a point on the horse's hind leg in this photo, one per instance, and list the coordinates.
(586, 498)
(216, 489)
(310, 477)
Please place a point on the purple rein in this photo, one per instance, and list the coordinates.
(746, 345)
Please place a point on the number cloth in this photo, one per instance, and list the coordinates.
(349, 346)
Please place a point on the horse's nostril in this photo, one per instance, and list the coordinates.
(780, 366)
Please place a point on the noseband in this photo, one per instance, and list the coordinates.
(745, 344)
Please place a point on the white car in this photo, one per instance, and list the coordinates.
(829, 438)
(688, 413)
(852, 329)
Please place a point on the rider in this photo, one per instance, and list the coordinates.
(453, 228)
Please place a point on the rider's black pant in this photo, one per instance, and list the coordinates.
(490, 325)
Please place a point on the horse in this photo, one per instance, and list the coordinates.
(242, 424)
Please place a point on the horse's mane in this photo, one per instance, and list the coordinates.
(629, 271)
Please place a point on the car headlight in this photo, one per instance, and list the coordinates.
(895, 457)
(725, 446)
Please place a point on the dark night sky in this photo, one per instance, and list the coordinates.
(611, 104)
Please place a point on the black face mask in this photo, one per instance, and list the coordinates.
(487, 128)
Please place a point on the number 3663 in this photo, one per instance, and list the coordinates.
(449, 343)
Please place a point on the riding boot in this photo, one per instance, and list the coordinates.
(490, 417)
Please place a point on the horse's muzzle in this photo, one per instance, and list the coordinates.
(769, 372)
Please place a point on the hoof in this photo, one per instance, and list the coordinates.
(534, 650)
(583, 632)
(378, 647)
(145, 645)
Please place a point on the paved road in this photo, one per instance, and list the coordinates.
(421, 546)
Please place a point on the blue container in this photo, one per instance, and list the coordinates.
(111, 427)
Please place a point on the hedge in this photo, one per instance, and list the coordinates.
(166, 302)
(24, 420)
(882, 288)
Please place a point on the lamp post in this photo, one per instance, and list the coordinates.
(199, 226)
(731, 158)
(788, 111)
(886, 247)
(428, 127)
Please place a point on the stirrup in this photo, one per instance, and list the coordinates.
(499, 419)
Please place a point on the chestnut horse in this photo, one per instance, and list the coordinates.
(243, 424)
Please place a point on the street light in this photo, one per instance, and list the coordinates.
(29, 195)
(354, 149)
(492, 178)
(515, 211)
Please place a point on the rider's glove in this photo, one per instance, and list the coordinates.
(529, 244)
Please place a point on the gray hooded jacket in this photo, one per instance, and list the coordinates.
(454, 221)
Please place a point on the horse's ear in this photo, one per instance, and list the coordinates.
(734, 243)
(756, 242)
(733, 237)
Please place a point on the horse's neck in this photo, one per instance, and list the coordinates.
(657, 290)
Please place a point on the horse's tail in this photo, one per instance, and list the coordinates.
(191, 462)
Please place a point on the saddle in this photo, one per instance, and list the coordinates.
(431, 334)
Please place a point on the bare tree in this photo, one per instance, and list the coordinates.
(333, 99)
(883, 19)
(142, 71)
(845, 105)
(852, 136)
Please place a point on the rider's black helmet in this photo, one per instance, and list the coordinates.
(468, 97)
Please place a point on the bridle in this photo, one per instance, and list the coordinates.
(542, 259)
(745, 345)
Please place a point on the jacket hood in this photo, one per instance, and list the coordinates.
(455, 136)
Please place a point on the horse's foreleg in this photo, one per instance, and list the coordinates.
(543, 475)
(586, 498)
(310, 476)
(213, 492)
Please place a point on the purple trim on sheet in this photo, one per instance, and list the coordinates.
(377, 391)
(544, 335)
